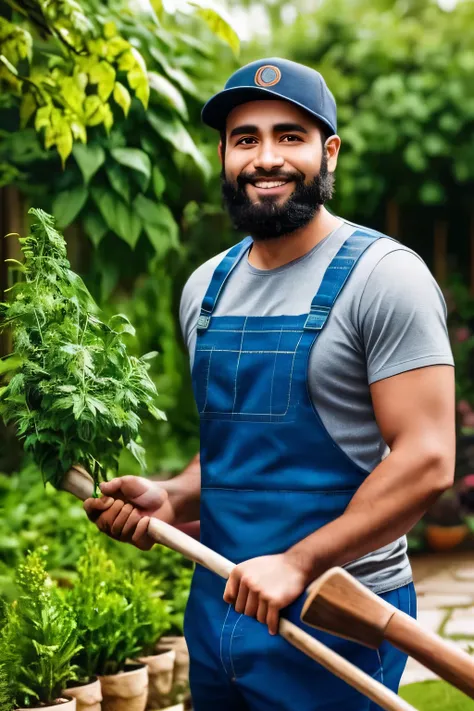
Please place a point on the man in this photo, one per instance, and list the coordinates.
(323, 376)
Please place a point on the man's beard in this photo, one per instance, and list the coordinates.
(266, 219)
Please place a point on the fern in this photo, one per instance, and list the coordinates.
(75, 395)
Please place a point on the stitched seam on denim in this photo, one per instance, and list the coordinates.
(230, 648)
(238, 363)
(282, 491)
(253, 330)
(220, 643)
(273, 374)
(290, 385)
(381, 666)
(235, 350)
(207, 382)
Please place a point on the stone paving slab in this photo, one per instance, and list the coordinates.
(461, 622)
(430, 601)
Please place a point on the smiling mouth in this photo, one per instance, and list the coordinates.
(269, 184)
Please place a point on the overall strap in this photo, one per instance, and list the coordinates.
(221, 273)
(336, 276)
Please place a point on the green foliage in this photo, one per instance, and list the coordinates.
(117, 614)
(33, 515)
(77, 395)
(401, 74)
(39, 639)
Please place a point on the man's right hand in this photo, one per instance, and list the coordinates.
(124, 510)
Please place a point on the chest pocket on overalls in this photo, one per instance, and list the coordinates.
(244, 371)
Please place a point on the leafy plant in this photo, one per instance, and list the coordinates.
(77, 394)
(150, 613)
(39, 638)
(116, 614)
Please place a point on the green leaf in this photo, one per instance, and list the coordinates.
(103, 74)
(167, 91)
(68, 205)
(138, 452)
(94, 226)
(159, 182)
(172, 130)
(119, 180)
(128, 224)
(159, 224)
(90, 158)
(120, 217)
(135, 159)
(217, 22)
(122, 97)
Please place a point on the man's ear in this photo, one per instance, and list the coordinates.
(332, 146)
(220, 152)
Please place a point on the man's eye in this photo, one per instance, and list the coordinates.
(291, 138)
(243, 141)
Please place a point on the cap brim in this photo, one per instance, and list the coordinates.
(216, 110)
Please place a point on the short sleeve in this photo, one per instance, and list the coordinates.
(402, 317)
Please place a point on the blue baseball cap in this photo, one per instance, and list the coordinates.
(273, 79)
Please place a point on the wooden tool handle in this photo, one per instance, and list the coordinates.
(341, 605)
(78, 482)
(169, 536)
(442, 657)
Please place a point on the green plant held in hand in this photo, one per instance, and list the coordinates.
(76, 394)
(38, 640)
(117, 615)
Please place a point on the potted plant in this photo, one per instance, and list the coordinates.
(445, 526)
(38, 643)
(178, 593)
(108, 630)
(152, 615)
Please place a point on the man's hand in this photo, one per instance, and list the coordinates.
(124, 510)
(261, 587)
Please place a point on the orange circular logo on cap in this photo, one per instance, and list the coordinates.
(267, 75)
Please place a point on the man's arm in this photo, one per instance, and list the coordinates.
(415, 412)
(184, 492)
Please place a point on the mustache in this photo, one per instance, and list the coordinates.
(245, 178)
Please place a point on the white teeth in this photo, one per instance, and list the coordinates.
(267, 184)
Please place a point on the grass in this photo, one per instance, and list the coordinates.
(436, 696)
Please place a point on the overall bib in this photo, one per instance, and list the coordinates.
(271, 475)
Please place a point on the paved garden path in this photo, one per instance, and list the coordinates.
(445, 588)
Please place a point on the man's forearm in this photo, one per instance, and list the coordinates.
(386, 506)
(184, 491)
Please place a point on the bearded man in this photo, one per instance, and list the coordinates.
(323, 377)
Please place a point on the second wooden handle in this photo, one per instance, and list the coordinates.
(443, 658)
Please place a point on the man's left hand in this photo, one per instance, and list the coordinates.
(261, 587)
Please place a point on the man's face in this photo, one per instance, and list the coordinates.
(276, 173)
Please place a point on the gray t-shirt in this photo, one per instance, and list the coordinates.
(389, 318)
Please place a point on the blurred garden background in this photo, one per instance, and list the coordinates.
(100, 126)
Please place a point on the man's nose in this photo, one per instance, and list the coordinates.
(268, 158)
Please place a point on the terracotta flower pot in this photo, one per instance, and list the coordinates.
(181, 665)
(160, 677)
(443, 538)
(126, 691)
(64, 703)
(88, 696)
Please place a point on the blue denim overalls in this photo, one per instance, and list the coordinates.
(271, 475)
